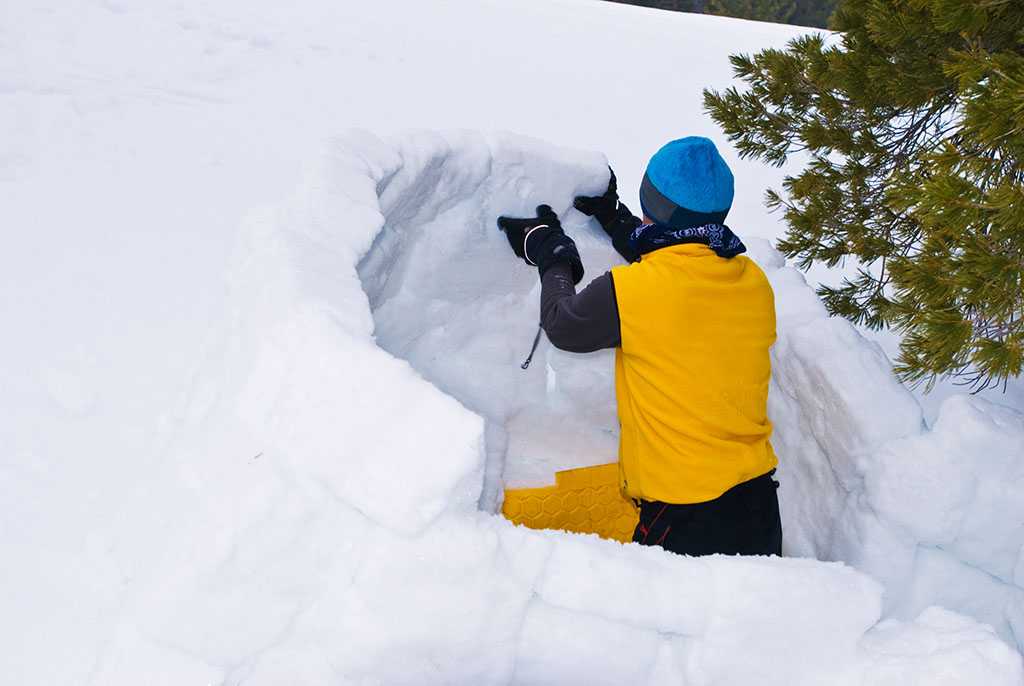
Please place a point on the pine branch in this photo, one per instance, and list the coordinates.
(915, 131)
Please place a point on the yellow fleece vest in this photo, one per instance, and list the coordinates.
(691, 375)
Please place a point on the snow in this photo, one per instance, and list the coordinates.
(272, 455)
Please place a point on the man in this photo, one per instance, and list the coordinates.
(691, 321)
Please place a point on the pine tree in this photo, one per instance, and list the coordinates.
(801, 12)
(913, 125)
(813, 13)
(778, 11)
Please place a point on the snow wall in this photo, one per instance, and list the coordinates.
(323, 510)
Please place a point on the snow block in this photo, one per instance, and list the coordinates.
(587, 500)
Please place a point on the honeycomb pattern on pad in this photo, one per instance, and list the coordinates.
(585, 501)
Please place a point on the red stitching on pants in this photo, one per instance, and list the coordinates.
(653, 522)
(664, 535)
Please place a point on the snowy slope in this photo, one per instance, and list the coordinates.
(307, 508)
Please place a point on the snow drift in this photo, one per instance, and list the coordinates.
(323, 511)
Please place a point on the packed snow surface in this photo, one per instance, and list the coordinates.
(316, 504)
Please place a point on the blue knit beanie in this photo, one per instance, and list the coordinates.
(687, 184)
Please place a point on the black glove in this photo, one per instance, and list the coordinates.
(603, 208)
(541, 242)
(614, 217)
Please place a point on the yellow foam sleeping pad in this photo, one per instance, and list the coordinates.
(585, 500)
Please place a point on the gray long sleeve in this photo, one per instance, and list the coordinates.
(579, 322)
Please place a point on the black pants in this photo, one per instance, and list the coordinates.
(742, 521)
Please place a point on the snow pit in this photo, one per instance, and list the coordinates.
(449, 296)
(336, 462)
